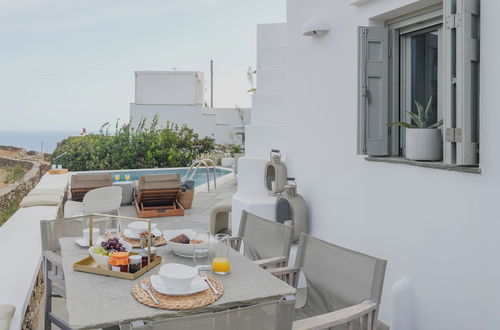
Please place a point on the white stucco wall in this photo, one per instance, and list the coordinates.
(439, 229)
(218, 123)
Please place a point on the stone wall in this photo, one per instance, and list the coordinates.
(14, 193)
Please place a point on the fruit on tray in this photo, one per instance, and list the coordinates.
(183, 239)
(109, 246)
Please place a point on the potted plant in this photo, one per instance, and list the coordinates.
(424, 140)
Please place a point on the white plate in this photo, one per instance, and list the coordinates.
(197, 285)
(129, 234)
(85, 243)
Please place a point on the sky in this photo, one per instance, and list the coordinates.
(67, 64)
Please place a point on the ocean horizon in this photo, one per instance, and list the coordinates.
(40, 141)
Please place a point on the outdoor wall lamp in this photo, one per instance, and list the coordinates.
(316, 27)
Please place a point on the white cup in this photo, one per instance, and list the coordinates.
(59, 167)
(95, 234)
(54, 166)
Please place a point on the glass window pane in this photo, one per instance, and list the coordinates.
(424, 71)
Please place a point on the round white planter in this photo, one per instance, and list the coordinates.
(227, 162)
(424, 144)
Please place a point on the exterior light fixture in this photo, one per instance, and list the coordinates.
(316, 27)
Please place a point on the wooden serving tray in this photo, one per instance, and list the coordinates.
(88, 265)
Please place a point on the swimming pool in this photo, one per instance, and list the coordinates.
(199, 178)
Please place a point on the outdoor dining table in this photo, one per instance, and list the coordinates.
(96, 301)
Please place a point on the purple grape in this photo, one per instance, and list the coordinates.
(112, 246)
(103, 244)
(122, 249)
(118, 245)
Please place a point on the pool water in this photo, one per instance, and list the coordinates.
(199, 178)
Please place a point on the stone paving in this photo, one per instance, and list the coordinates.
(198, 217)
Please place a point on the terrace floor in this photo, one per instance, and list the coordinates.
(197, 218)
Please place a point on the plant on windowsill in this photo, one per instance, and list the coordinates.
(424, 141)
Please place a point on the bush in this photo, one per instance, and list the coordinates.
(8, 212)
(13, 174)
(171, 146)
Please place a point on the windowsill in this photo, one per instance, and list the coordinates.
(436, 165)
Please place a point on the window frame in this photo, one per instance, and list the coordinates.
(403, 26)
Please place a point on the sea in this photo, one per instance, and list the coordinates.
(41, 141)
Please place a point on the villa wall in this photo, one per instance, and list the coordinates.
(436, 228)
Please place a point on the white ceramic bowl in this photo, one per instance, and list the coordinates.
(138, 227)
(102, 260)
(177, 276)
(183, 250)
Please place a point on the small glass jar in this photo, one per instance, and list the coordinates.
(135, 263)
(119, 261)
(144, 255)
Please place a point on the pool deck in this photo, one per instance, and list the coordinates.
(197, 217)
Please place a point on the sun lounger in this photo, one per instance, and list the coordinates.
(84, 182)
(158, 196)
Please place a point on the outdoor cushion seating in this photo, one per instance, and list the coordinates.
(342, 285)
(6, 313)
(219, 218)
(265, 241)
(82, 183)
(41, 200)
(158, 196)
(100, 200)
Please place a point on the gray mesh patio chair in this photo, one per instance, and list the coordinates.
(51, 232)
(344, 287)
(266, 242)
(275, 315)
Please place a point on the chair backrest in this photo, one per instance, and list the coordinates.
(160, 181)
(337, 277)
(53, 230)
(264, 238)
(91, 180)
(102, 199)
(275, 315)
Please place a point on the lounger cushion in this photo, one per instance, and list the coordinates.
(41, 200)
(47, 191)
(91, 180)
(6, 313)
(160, 182)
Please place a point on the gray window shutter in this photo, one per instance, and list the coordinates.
(373, 99)
(461, 120)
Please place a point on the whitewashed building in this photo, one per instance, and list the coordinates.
(330, 80)
(178, 97)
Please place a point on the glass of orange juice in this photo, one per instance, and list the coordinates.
(127, 177)
(117, 177)
(220, 260)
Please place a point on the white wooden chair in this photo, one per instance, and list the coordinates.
(266, 242)
(275, 315)
(100, 200)
(344, 287)
(6, 314)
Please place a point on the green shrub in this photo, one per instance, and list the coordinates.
(8, 212)
(13, 174)
(144, 147)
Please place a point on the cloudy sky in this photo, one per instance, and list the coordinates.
(67, 64)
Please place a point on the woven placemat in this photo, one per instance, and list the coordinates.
(191, 301)
(136, 243)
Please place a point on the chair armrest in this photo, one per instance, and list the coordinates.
(290, 275)
(273, 261)
(53, 258)
(235, 242)
(365, 310)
